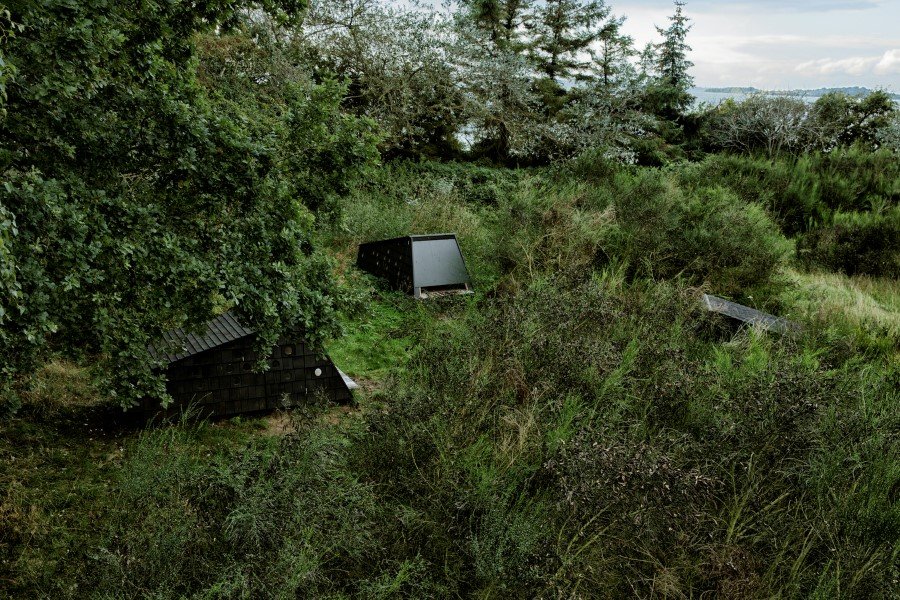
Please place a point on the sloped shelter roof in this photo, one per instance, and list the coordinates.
(747, 314)
(178, 343)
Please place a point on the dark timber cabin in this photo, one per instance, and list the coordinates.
(417, 264)
(214, 370)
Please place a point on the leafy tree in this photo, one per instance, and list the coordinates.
(889, 135)
(135, 200)
(844, 120)
(597, 122)
(502, 110)
(761, 123)
(394, 61)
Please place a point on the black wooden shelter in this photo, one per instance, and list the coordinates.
(214, 371)
(745, 314)
(417, 264)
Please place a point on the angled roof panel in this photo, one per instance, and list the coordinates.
(178, 343)
(416, 263)
(747, 314)
(438, 261)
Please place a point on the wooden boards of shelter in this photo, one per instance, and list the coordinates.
(214, 370)
(748, 315)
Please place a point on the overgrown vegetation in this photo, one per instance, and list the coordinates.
(578, 427)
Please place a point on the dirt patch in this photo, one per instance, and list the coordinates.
(336, 414)
(278, 423)
(282, 422)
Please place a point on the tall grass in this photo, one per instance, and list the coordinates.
(578, 428)
(656, 460)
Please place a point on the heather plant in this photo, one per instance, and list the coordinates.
(856, 243)
(657, 459)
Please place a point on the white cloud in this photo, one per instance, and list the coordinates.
(854, 65)
(889, 63)
(886, 64)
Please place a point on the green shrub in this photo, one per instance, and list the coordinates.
(587, 439)
(856, 243)
(706, 235)
(801, 193)
(275, 517)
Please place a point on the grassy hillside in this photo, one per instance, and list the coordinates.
(579, 427)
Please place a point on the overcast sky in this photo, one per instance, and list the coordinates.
(782, 44)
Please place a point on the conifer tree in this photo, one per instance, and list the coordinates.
(502, 20)
(497, 79)
(612, 54)
(562, 34)
(672, 65)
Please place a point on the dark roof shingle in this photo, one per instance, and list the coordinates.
(178, 343)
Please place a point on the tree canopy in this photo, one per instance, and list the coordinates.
(136, 199)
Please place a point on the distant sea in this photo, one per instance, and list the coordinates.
(716, 95)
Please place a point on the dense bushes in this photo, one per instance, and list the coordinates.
(579, 427)
(785, 125)
(842, 204)
(706, 236)
(801, 193)
(856, 243)
(281, 518)
(645, 221)
(591, 439)
(588, 440)
(135, 199)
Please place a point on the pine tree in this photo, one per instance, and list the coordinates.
(562, 34)
(671, 63)
(612, 54)
(503, 20)
(497, 80)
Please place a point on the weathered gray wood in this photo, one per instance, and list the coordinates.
(351, 385)
(747, 315)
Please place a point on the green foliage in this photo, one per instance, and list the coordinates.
(842, 120)
(411, 198)
(676, 463)
(803, 193)
(708, 236)
(842, 205)
(562, 32)
(644, 222)
(133, 201)
(376, 343)
(580, 427)
(856, 243)
(667, 93)
(783, 124)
